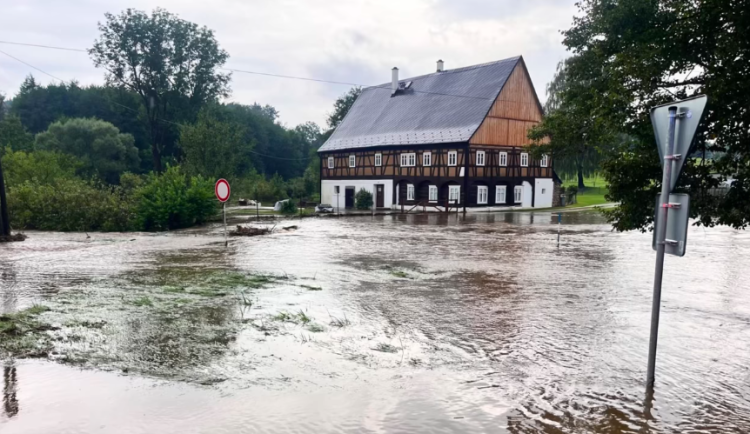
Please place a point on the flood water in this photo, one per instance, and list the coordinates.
(425, 324)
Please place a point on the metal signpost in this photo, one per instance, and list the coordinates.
(222, 191)
(674, 125)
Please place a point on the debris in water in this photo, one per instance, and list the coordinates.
(291, 228)
(249, 231)
(12, 238)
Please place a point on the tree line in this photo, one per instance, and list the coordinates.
(160, 107)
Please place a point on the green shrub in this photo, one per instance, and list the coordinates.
(70, 205)
(288, 207)
(571, 190)
(363, 199)
(171, 201)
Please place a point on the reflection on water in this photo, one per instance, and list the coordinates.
(452, 324)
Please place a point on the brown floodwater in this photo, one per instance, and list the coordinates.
(393, 324)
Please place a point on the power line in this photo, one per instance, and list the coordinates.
(268, 74)
(43, 46)
(31, 66)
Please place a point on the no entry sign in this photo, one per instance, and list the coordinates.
(222, 190)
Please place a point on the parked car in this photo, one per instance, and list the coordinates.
(323, 207)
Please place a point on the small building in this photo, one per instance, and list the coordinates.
(451, 138)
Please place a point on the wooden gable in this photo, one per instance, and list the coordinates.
(514, 111)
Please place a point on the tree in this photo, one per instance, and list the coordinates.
(214, 148)
(363, 199)
(169, 62)
(341, 107)
(567, 132)
(100, 146)
(13, 135)
(640, 53)
(38, 167)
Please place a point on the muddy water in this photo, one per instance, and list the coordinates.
(411, 324)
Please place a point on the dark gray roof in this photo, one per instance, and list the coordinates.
(443, 107)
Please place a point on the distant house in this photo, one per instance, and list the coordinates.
(453, 137)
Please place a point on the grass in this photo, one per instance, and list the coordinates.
(21, 335)
(593, 194)
(296, 318)
(316, 328)
(143, 301)
(400, 274)
(386, 348)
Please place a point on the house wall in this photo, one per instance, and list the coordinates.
(391, 163)
(544, 190)
(327, 189)
(515, 110)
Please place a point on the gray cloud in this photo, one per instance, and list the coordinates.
(354, 41)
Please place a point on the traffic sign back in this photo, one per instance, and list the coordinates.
(690, 112)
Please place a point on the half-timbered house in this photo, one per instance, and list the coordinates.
(453, 137)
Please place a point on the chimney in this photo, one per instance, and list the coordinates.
(440, 66)
(394, 80)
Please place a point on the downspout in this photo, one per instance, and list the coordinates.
(466, 176)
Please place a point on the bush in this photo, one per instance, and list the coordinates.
(363, 199)
(70, 205)
(288, 207)
(171, 201)
(572, 190)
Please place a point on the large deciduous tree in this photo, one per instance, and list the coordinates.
(639, 53)
(341, 107)
(100, 146)
(172, 64)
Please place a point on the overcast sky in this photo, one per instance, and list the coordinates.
(355, 41)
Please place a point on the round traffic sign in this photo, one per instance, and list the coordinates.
(222, 190)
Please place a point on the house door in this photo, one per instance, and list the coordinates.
(379, 196)
(349, 197)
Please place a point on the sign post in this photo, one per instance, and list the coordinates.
(222, 191)
(674, 126)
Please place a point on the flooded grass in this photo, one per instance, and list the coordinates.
(311, 288)
(386, 348)
(22, 334)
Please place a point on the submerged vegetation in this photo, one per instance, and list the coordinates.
(22, 334)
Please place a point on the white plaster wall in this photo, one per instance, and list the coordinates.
(543, 200)
(327, 195)
(526, 196)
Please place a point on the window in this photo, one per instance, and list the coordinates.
(330, 162)
(543, 162)
(427, 159)
(481, 194)
(336, 189)
(352, 161)
(433, 193)
(410, 192)
(408, 160)
(502, 159)
(454, 193)
(517, 193)
(452, 158)
(524, 160)
(378, 160)
(544, 191)
(480, 158)
(500, 194)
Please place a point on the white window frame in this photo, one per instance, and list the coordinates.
(482, 194)
(427, 158)
(409, 191)
(501, 194)
(518, 194)
(480, 158)
(502, 159)
(378, 160)
(544, 161)
(452, 158)
(408, 159)
(454, 193)
(352, 161)
(524, 159)
(330, 162)
(433, 193)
